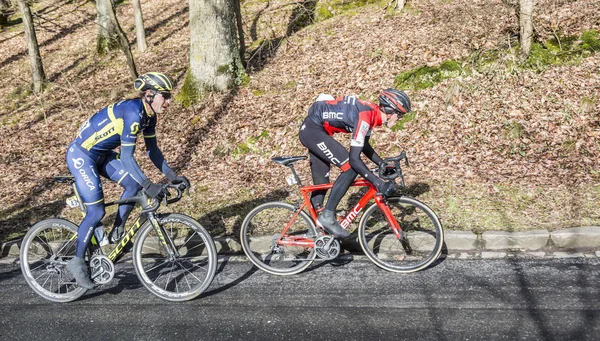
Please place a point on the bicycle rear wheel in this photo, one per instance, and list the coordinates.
(266, 247)
(420, 242)
(181, 277)
(45, 251)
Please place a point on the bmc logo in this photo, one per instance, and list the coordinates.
(333, 115)
(355, 211)
(328, 153)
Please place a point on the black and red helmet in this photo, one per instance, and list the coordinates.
(393, 101)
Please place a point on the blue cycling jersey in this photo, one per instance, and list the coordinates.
(119, 124)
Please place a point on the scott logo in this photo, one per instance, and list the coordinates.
(106, 134)
(328, 153)
(78, 163)
(135, 128)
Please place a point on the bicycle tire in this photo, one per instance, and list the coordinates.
(45, 250)
(192, 271)
(263, 226)
(422, 236)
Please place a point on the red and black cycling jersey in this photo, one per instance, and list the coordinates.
(346, 114)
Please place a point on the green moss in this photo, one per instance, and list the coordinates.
(104, 45)
(250, 145)
(541, 57)
(427, 76)
(558, 44)
(224, 69)
(326, 10)
(189, 94)
(244, 79)
(587, 105)
(514, 130)
(258, 93)
(20, 93)
(590, 41)
(555, 51)
(290, 85)
(322, 13)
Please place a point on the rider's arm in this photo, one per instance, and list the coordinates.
(131, 166)
(131, 126)
(359, 166)
(357, 146)
(371, 153)
(153, 151)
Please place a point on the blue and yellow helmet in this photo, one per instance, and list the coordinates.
(156, 81)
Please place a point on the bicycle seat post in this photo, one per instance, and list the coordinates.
(82, 207)
(291, 165)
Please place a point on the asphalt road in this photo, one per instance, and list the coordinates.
(350, 300)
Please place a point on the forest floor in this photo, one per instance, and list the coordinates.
(496, 144)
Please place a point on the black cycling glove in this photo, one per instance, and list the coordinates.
(154, 191)
(176, 179)
(387, 188)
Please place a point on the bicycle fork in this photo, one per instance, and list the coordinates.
(165, 241)
(389, 216)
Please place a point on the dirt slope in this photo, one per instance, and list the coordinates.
(512, 149)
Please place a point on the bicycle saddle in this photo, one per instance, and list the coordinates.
(286, 160)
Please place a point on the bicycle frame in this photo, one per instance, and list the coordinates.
(148, 209)
(346, 221)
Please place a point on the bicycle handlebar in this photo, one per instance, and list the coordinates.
(392, 164)
(148, 204)
(156, 204)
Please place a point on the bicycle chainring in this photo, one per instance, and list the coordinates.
(327, 247)
(102, 268)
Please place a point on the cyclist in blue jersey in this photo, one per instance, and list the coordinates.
(92, 154)
(346, 114)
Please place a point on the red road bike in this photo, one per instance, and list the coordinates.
(397, 233)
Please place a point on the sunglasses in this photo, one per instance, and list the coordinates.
(164, 94)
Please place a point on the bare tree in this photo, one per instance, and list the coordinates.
(116, 38)
(139, 26)
(106, 39)
(215, 62)
(37, 69)
(526, 26)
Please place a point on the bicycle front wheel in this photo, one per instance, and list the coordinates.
(45, 251)
(269, 248)
(415, 247)
(187, 272)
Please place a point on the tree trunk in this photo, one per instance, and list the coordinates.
(400, 4)
(107, 39)
(139, 26)
(121, 39)
(215, 62)
(37, 69)
(240, 31)
(526, 26)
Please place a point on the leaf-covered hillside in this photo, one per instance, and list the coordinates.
(497, 144)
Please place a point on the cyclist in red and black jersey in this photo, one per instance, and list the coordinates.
(346, 114)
